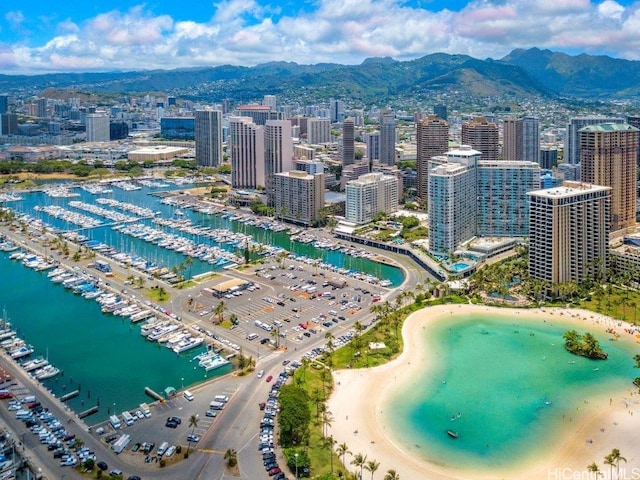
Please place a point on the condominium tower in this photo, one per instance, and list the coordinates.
(432, 140)
(572, 137)
(370, 194)
(521, 139)
(348, 141)
(387, 138)
(318, 130)
(246, 148)
(568, 233)
(608, 157)
(207, 132)
(97, 127)
(278, 153)
(299, 196)
(481, 135)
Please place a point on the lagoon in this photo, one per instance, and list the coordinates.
(507, 388)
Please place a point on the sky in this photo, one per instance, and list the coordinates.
(38, 36)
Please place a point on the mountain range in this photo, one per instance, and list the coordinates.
(522, 73)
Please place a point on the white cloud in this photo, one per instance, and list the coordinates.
(243, 32)
(15, 18)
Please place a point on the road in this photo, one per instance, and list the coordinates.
(237, 426)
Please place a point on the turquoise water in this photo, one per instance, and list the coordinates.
(103, 356)
(503, 388)
(457, 267)
(170, 258)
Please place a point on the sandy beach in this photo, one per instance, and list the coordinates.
(604, 423)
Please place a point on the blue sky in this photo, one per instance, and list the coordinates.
(38, 36)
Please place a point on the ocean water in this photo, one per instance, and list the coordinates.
(505, 389)
(102, 355)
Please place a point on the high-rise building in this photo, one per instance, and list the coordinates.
(259, 113)
(348, 142)
(318, 131)
(570, 171)
(548, 157)
(481, 135)
(9, 123)
(432, 140)
(510, 138)
(502, 188)
(336, 109)
(572, 137)
(246, 148)
(372, 140)
(521, 139)
(299, 196)
(453, 201)
(4, 103)
(178, 128)
(568, 233)
(41, 108)
(278, 153)
(370, 194)
(609, 157)
(440, 111)
(387, 138)
(97, 127)
(118, 130)
(208, 137)
(270, 101)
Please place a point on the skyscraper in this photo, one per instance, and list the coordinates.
(259, 113)
(372, 139)
(4, 103)
(270, 101)
(568, 233)
(387, 138)
(208, 137)
(440, 111)
(41, 108)
(97, 127)
(318, 130)
(246, 147)
(299, 196)
(521, 139)
(348, 142)
(336, 108)
(548, 157)
(432, 140)
(572, 137)
(609, 157)
(482, 136)
(278, 153)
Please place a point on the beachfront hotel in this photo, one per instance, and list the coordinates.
(470, 197)
(609, 157)
(568, 232)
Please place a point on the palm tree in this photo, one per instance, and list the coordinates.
(392, 475)
(342, 451)
(359, 460)
(188, 262)
(593, 468)
(193, 424)
(219, 311)
(327, 420)
(608, 460)
(372, 466)
(616, 457)
(231, 457)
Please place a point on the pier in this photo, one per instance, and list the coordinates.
(88, 412)
(154, 395)
(69, 395)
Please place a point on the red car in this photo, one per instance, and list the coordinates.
(273, 471)
(269, 378)
(5, 394)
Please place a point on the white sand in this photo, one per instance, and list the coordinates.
(592, 433)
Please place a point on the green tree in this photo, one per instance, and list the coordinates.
(219, 310)
(231, 457)
(392, 475)
(342, 451)
(372, 466)
(295, 414)
(193, 424)
(359, 460)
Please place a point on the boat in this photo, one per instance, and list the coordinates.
(188, 344)
(213, 362)
(46, 372)
(35, 364)
(21, 352)
(452, 434)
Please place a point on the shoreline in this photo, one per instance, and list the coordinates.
(358, 399)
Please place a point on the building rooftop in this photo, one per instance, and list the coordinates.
(568, 189)
(609, 127)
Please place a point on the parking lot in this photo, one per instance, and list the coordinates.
(289, 306)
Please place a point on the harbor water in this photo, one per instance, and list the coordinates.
(505, 389)
(104, 356)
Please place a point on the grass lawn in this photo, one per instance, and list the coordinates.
(158, 295)
(618, 303)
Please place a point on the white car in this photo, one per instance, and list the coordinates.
(260, 373)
